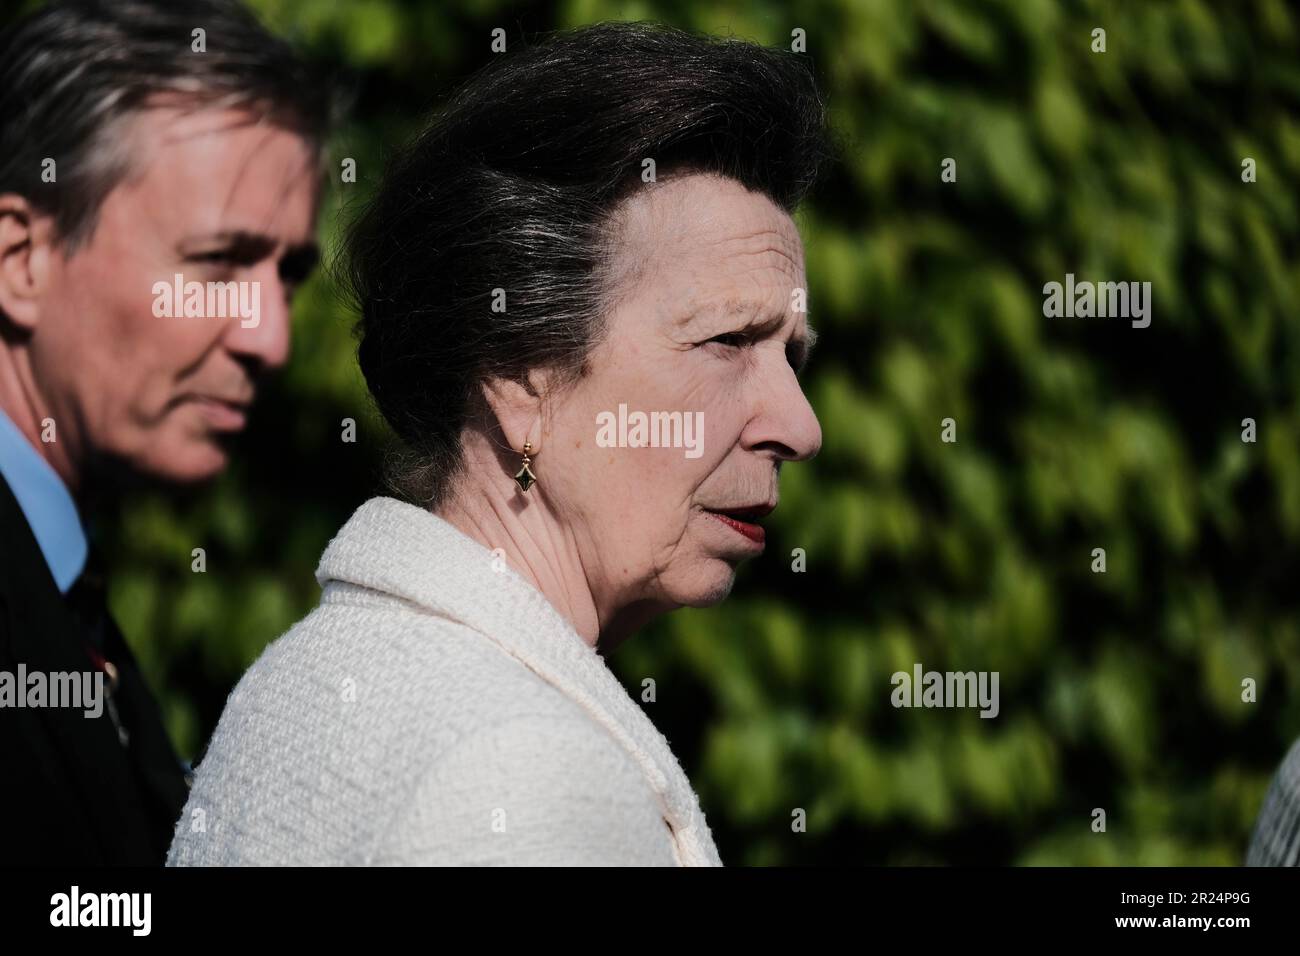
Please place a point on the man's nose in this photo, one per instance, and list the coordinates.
(261, 330)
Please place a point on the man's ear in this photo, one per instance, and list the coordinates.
(26, 238)
(518, 408)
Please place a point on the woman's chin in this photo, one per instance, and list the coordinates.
(710, 587)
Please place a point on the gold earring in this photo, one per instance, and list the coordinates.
(525, 475)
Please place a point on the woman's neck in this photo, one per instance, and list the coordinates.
(533, 543)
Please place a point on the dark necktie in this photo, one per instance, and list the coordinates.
(147, 750)
(88, 598)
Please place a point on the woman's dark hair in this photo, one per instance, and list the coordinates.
(512, 187)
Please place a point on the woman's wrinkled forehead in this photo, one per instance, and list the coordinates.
(698, 237)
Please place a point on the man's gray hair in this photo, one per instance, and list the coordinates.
(73, 74)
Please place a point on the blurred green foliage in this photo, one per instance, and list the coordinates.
(1119, 690)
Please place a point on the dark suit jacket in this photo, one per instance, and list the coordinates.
(70, 792)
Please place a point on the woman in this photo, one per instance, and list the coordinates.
(1276, 838)
(581, 294)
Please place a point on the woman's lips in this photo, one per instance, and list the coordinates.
(753, 532)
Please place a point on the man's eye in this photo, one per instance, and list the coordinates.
(296, 269)
(216, 255)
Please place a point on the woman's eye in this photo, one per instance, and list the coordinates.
(737, 339)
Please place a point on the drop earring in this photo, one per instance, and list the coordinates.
(525, 475)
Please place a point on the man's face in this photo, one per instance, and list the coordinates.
(215, 198)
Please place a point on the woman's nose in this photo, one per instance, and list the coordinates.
(784, 420)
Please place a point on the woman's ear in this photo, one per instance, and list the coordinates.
(25, 245)
(517, 406)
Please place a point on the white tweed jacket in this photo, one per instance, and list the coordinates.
(434, 709)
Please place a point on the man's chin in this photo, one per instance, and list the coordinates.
(182, 464)
(197, 465)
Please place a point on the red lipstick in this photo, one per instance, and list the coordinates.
(751, 531)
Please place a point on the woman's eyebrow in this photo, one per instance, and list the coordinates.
(713, 307)
(733, 307)
(802, 345)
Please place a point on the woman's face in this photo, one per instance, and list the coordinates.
(710, 329)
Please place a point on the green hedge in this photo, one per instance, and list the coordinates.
(1119, 691)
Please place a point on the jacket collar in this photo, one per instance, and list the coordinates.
(405, 551)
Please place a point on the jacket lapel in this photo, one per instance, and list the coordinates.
(76, 760)
(404, 550)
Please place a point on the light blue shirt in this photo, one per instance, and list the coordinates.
(46, 504)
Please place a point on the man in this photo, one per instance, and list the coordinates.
(155, 152)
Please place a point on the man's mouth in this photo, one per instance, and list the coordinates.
(223, 415)
(744, 520)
